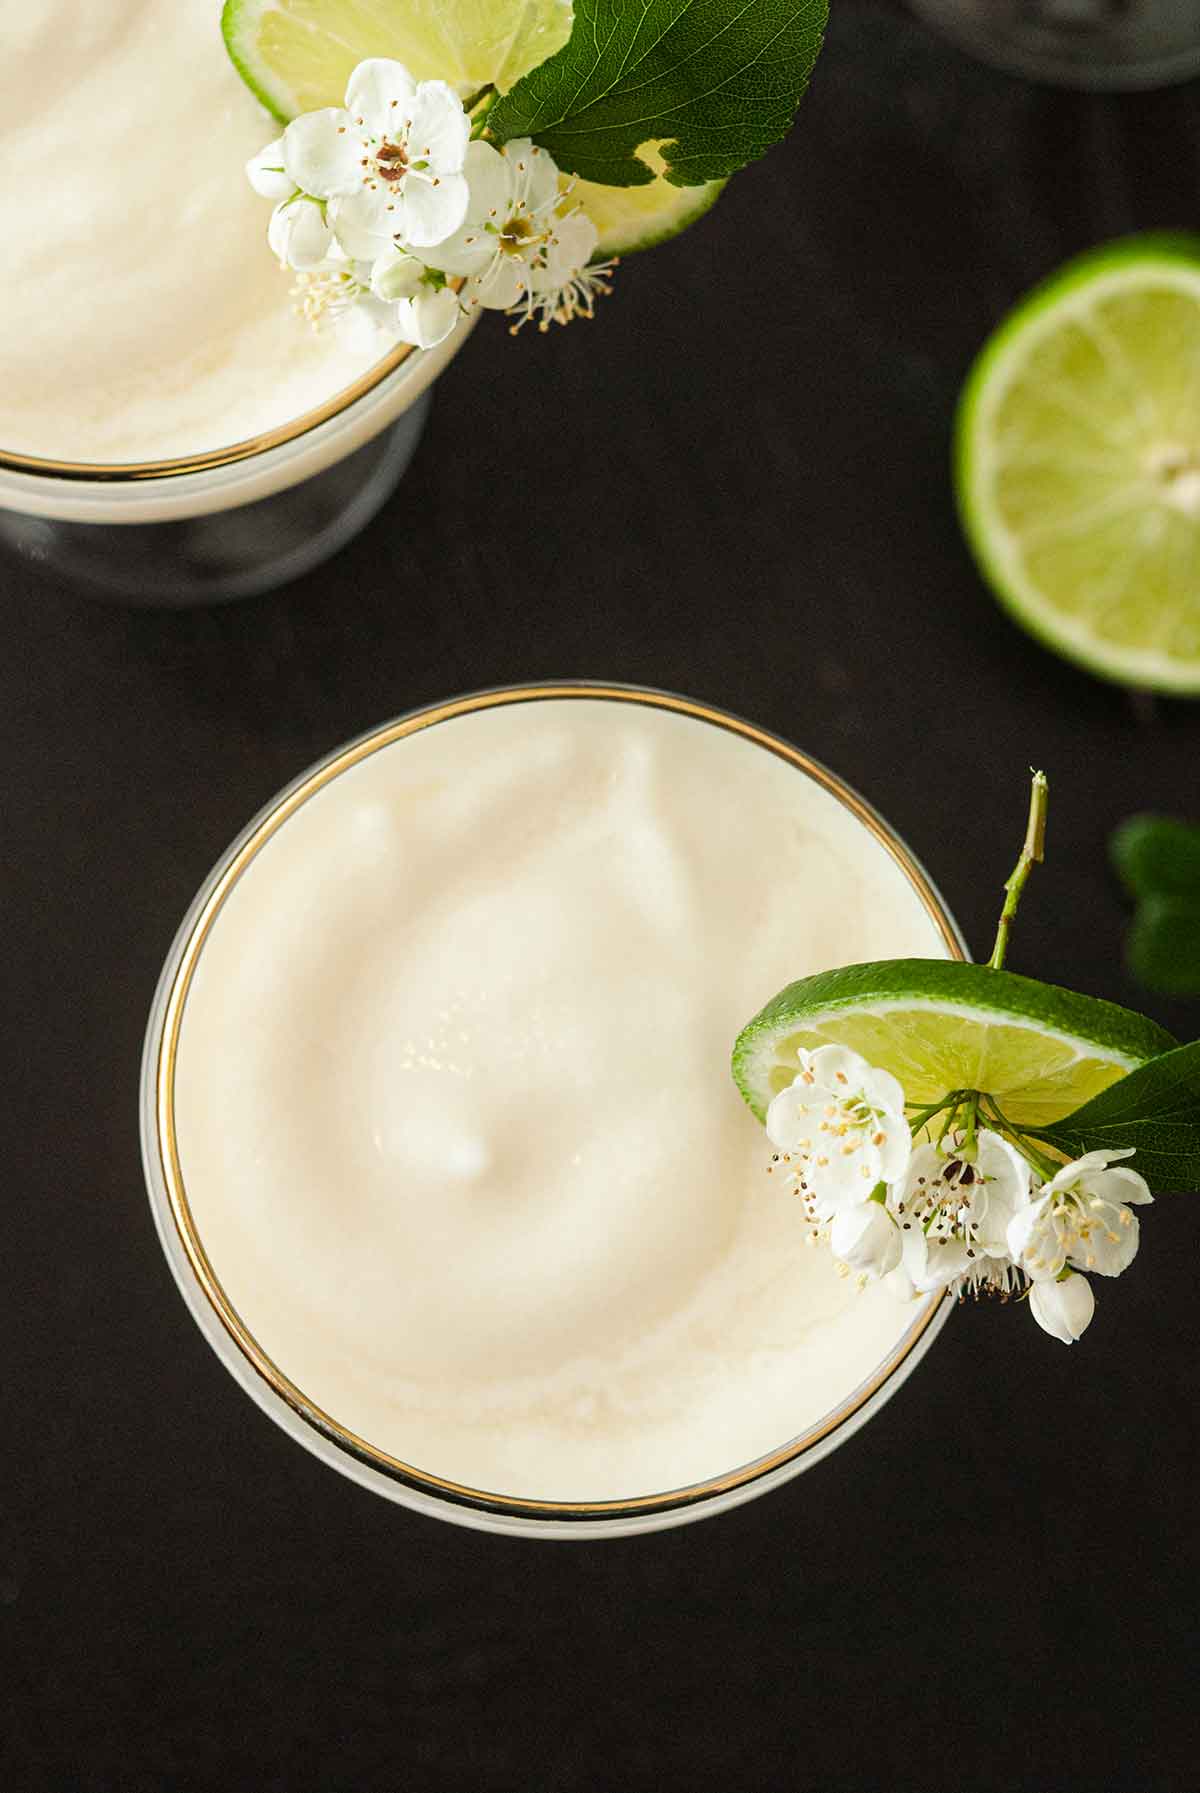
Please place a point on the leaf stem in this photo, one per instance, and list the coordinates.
(480, 94)
(1032, 853)
(485, 99)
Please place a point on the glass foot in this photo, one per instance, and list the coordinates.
(1077, 43)
(227, 554)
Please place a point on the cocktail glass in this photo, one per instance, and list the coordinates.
(235, 521)
(420, 1486)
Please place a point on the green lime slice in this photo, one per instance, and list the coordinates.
(1077, 462)
(631, 218)
(296, 55)
(939, 1026)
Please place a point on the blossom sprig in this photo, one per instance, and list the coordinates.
(396, 217)
(969, 1211)
(960, 1194)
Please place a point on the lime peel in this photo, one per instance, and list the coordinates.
(937, 1025)
(297, 55)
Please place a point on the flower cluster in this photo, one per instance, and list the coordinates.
(968, 1213)
(389, 213)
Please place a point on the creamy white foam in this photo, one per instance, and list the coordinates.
(454, 1106)
(142, 315)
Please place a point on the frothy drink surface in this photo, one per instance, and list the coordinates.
(142, 316)
(454, 1109)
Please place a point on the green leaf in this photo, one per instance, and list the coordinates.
(714, 82)
(1155, 1109)
(1162, 948)
(1157, 856)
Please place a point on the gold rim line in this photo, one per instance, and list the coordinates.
(168, 1148)
(130, 472)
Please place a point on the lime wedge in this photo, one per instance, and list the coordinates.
(1078, 462)
(296, 55)
(939, 1026)
(630, 218)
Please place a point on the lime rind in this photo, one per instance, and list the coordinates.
(1129, 266)
(296, 55)
(938, 1025)
(236, 29)
(630, 219)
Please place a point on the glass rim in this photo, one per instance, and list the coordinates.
(166, 1183)
(170, 467)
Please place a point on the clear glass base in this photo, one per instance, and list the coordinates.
(1099, 44)
(229, 553)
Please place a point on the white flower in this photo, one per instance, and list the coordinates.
(1063, 1309)
(267, 172)
(389, 162)
(299, 234)
(1080, 1217)
(841, 1126)
(338, 291)
(954, 1213)
(866, 1238)
(424, 310)
(517, 247)
(377, 304)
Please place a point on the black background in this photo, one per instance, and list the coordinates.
(734, 484)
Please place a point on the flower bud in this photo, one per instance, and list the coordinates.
(298, 233)
(1063, 1309)
(267, 174)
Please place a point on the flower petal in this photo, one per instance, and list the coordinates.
(837, 1067)
(541, 181)
(439, 129)
(899, 1284)
(944, 1260)
(368, 326)
(913, 1255)
(792, 1118)
(1087, 1166)
(1004, 1191)
(321, 153)
(575, 237)
(267, 173)
(838, 1178)
(534, 174)
(1033, 1239)
(501, 285)
(378, 93)
(470, 248)
(1020, 1227)
(867, 1238)
(362, 223)
(395, 275)
(429, 211)
(1132, 1187)
(896, 1149)
(1110, 1245)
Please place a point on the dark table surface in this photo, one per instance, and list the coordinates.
(733, 484)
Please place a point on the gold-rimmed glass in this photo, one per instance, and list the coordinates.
(269, 1382)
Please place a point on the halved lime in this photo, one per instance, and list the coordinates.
(937, 1026)
(631, 218)
(297, 55)
(1077, 462)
